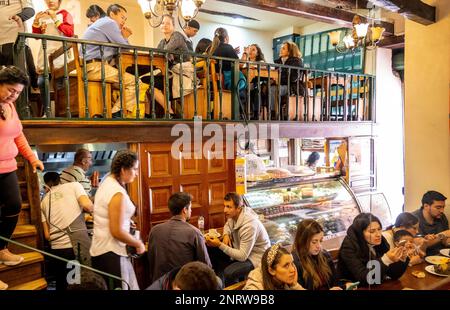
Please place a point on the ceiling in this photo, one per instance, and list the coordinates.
(268, 21)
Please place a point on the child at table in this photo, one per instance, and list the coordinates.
(414, 252)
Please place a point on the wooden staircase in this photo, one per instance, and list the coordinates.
(29, 274)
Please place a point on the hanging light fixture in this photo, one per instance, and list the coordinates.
(357, 36)
(155, 9)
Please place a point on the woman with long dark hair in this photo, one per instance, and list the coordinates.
(277, 271)
(113, 210)
(364, 247)
(12, 141)
(315, 266)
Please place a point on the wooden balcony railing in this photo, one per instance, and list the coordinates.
(126, 86)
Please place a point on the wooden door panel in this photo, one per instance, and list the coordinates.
(216, 220)
(217, 191)
(196, 192)
(159, 164)
(159, 196)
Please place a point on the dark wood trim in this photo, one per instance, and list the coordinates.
(307, 10)
(415, 10)
(393, 42)
(60, 132)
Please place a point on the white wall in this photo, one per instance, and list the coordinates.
(238, 37)
(389, 131)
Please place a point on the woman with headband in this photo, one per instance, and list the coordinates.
(277, 271)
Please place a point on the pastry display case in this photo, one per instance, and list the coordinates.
(282, 203)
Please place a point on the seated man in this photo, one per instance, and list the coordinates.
(175, 242)
(433, 223)
(110, 29)
(192, 276)
(244, 241)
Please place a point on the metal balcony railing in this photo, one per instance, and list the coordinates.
(145, 84)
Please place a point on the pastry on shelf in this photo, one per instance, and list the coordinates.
(279, 173)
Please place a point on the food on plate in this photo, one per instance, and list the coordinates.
(418, 274)
(443, 268)
(437, 260)
(278, 173)
(213, 233)
(307, 192)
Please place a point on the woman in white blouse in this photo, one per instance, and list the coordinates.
(113, 210)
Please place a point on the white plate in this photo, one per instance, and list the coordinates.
(216, 235)
(430, 269)
(445, 252)
(436, 260)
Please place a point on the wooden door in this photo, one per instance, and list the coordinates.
(207, 180)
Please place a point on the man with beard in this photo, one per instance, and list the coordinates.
(176, 242)
(433, 223)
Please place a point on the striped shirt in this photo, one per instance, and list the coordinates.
(76, 174)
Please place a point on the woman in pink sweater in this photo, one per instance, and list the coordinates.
(12, 141)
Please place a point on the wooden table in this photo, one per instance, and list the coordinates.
(408, 281)
(143, 59)
(264, 73)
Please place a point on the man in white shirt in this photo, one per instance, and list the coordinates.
(190, 31)
(63, 223)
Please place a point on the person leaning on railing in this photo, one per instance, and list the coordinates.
(53, 22)
(12, 141)
(110, 29)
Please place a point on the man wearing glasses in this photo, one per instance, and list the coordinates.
(433, 223)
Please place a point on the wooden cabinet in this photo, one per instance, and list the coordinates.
(206, 179)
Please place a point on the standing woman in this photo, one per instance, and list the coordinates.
(315, 266)
(363, 247)
(12, 141)
(276, 272)
(113, 210)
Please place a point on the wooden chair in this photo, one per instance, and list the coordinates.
(76, 87)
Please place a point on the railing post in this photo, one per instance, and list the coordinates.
(208, 91)
(136, 83)
(120, 82)
(66, 82)
(85, 81)
(235, 90)
(195, 90)
(102, 53)
(19, 60)
(166, 85)
(181, 86)
(219, 82)
(48, 109)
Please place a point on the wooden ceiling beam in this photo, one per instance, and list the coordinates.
(414, 10)
(393, 42)
(308, 10)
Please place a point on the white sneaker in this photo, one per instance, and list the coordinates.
(9, 259)
(3, 285)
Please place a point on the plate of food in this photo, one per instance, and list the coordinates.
(436, 260)
(445, 252)
(213, 233)
(438, 270)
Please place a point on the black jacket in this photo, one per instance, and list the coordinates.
(354, 256)
(295, 62)
(308, 284)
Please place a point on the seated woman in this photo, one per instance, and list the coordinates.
(315, 266)
(173, 41)
(203, 46)
(290, 55)
(276, 272)
(254, 53)
(363, 247)
(406, 239)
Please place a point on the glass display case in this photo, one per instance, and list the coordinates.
(282, 204)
